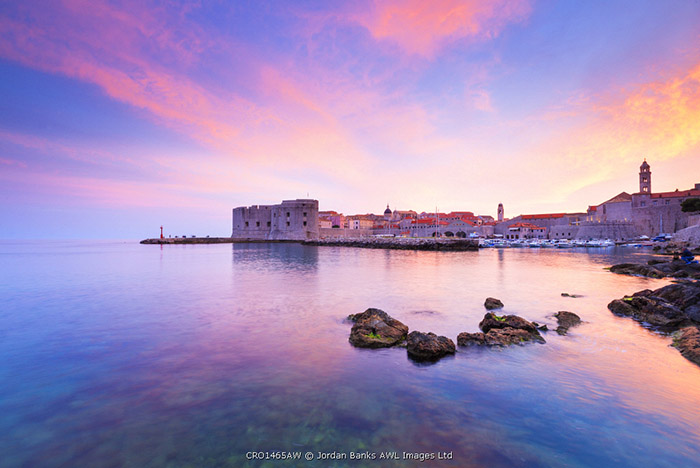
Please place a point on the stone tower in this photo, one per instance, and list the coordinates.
(500, 212)
(644, 177)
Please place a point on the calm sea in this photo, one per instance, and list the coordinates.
(120, 354)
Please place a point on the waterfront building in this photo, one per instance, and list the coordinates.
(290, 220)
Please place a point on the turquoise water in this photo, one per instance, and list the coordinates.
(120, 354)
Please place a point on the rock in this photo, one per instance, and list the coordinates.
(566, 320)
(471, 339)
(428, 346)
(687, 341)
(499, 337)
(637, 269)
(540, 327)
(491, 321)
(656, 312)
(669, 307)
(655, 261)
(685, 296)
(502, 331)
(492, 303)
(571, 295)
(374, 328)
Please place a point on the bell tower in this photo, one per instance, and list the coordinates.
(500, 212)
(645, 178)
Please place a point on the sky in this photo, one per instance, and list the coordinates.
(118, 117)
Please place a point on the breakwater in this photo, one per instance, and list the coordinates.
(190, 240)
(452, 245)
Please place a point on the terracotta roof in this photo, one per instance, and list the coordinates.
(525, 225)
(620, 197)
(677, 194)
(593, 208)
(544, 216)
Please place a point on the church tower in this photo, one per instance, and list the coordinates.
(645, 178)
(500, 212)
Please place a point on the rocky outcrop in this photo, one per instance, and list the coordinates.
(687, 341)
(566, 320)
(667, 308)
(492, 303)
(428, 346)
(491, 321)
(374, 328)
(501, 331)
(673, 307)
(659, 269)
(637, 269)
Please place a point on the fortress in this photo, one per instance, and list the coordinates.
(291, 220)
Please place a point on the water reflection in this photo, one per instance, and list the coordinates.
(135, 356)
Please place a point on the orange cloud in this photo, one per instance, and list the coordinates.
(422, 28)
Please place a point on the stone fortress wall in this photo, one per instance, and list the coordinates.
(291, 220)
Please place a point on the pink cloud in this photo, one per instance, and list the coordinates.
(422, 28)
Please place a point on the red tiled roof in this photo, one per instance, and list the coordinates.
(544, 216)
(525, 225)
(677, 194)
(593, 208)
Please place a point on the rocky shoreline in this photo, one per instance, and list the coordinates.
(659, 269)
(401, 243)
(671, 309)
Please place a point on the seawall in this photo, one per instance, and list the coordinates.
(450, 245)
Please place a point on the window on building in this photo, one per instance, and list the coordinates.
(304, 213)
(645, 189)
(304, 223)
(257, 224)
(666, 202)
(287, 214)
(642, 203)
(246, 224)
(287, 223)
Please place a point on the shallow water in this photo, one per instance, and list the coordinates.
(120, 354)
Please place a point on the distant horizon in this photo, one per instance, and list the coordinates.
(118, 116)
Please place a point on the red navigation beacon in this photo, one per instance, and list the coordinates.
(161, 233)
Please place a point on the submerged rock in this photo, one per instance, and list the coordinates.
(566, 320)
(374, 328)
(428, 346)
(687, 341)
(492, 303)
(571, 295)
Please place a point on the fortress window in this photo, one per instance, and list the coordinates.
(304, 223)
(643, 204)
(287, 223)
(304, 213)
(287, 214)
(257, 224)
(246, 224)
(667, 202)
(268, 224)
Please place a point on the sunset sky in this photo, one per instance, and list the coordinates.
(117, 117)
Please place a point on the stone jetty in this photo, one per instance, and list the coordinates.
(401, 243)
